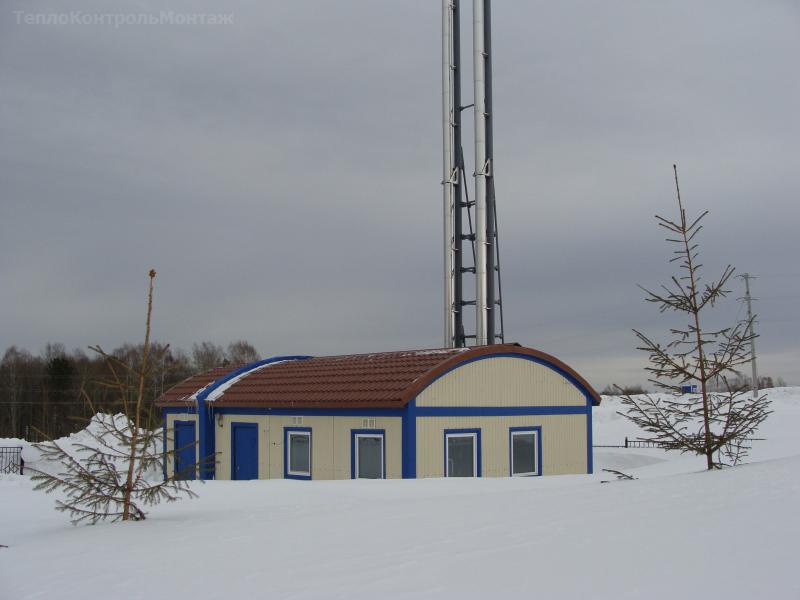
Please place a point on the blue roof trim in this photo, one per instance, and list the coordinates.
(589, 442)
(497, 411)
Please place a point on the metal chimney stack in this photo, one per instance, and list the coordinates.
(449, 171)
(458, 209)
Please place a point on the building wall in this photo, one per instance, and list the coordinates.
(564, 443)
(171, 418)
(499, 389)
(502, 381)
(499, 384)
(330, 443)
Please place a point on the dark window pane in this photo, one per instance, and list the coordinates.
(299, 453)
(370, 457)
(523, 447)
(461, 456)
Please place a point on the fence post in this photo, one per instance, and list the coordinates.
(626, 441)
(21, 464)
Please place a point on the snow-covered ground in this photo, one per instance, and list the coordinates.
(675, 532)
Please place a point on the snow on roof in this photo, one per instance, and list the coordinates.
(218, 391)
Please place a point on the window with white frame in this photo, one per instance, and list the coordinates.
(298, 453)
(369, 455)
(461, 454)
(524, 452)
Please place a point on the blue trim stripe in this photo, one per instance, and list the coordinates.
(164, 444)
(206, 441)
(372, 432)
(409, 442)
(286, 431)
(589, 450)
(313, 412)
(497, 411)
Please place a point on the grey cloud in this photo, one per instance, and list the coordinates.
(282, 172)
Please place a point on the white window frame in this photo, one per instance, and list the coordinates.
(382, 438)
(536, 458)
(289, 435)
(471, 434)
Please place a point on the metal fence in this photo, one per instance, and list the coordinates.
(632, 444)
(651, 444)
(11, 460)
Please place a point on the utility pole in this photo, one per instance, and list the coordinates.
(747, 277)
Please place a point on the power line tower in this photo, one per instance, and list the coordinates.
(459, 211)
(748, 299)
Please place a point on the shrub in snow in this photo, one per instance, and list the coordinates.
(90, 471)
(717, 425)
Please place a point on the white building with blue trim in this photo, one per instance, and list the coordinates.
(490, 411)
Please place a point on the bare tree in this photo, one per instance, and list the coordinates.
(207, 355)
(22, 377)
(117, 472)
(241, 352)
(9, 383)
(716, 425)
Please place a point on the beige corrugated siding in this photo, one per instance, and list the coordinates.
(502, 381)
(171, 418)
(330, 444)
(564, 440)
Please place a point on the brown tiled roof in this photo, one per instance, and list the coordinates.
(377, 380)
(180, 393)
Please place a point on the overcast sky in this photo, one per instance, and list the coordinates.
(282, 172)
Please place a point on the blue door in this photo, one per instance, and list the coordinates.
(184, 450)
(244, 451)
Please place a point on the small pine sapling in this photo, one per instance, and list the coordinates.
(717, 425)
(114, 468)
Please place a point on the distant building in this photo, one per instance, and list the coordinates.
(489, 411)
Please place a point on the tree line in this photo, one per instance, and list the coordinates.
(46, 395)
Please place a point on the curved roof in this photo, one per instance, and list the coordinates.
(186, 391)
(376, 380)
